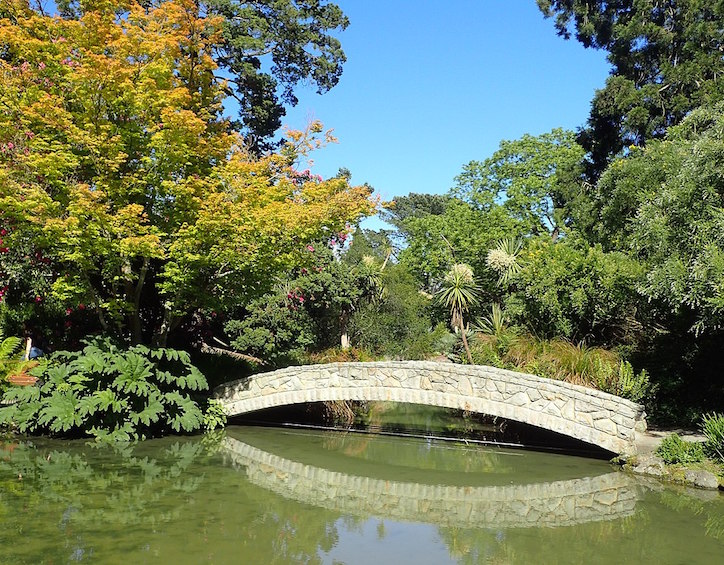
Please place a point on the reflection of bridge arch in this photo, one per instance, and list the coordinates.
(559, 503)
(588, 415)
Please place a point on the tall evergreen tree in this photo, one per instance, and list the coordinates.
(666, 58)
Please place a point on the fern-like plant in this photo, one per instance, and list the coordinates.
(10, 361)
(109, 393)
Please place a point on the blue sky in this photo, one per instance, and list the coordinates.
(431, 85)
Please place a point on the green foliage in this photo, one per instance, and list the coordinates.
(214, 416)
(458, 292)
(573, 290)
(529, 179)
(451, 231)
(674, 450)
(503, 259)
(679, 230)
(275, 328)
(9, 356)
(712, 426)
(110, 394)
(398, 323)
(625, 382)
(665, 61)
(506, 347)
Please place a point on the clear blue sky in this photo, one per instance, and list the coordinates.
(431, 85)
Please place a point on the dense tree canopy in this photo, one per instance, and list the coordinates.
(666, 58)
(531, 178)
(264, 49)
(123, 184)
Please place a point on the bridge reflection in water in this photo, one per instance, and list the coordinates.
(547, 504)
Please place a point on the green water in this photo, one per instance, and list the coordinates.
(263, 495)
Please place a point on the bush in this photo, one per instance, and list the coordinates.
(674, 450)
(624, 382)
(712, 426)
(110, 394)
(274, 329)
(572, 290)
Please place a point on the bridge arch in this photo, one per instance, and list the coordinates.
(592, 416)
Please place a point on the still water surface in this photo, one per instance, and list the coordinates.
(270, 495)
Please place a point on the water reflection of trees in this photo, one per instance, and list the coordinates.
(419, 454)
(116, 488)
(178, 501)
(158, 499)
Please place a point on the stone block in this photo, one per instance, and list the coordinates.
(464, 387)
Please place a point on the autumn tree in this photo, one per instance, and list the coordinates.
(119, 170)
(264, 50)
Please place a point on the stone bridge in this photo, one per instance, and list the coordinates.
(592, 416)
(551, 504)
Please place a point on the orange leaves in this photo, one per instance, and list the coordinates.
(129, 167)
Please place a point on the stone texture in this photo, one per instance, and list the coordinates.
(650, 465)
(702, 479)
(589, 415)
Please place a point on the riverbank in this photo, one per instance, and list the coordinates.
(706, 474)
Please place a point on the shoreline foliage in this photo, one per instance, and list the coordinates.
(112, 394)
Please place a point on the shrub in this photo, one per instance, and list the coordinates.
(712, 425)
(626, 383)
(674, 450)
(576, 291)
(110, 394)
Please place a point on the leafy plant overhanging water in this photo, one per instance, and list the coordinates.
(112, 394)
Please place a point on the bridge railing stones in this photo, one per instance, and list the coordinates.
(589, 415)
(552, 504)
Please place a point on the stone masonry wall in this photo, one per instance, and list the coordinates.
(560, 503)
(589, 415)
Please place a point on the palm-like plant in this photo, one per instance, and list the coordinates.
(459, 292)
(503, 259)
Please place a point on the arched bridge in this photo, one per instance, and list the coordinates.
(588, 415)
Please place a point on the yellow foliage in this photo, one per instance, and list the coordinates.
(116, 159)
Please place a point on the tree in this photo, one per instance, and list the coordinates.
(117, 168)
(266, 48)
(459, 293)
(575, 290)
(666, 60)
(678, 230)
(459, 233)
(531, 178)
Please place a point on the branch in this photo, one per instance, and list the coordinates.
(206, 348)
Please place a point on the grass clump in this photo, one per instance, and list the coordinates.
(674, 450)
(500, 345)
(712, 426)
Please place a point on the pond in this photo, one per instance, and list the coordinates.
(274, 495)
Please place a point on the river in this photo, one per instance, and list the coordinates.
(263, 495)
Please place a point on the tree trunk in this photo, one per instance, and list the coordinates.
(465, 341)
(344, 339)
(161, 337)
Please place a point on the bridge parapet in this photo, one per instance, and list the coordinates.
(589, 415)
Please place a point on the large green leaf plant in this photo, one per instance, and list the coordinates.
(109, 393)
